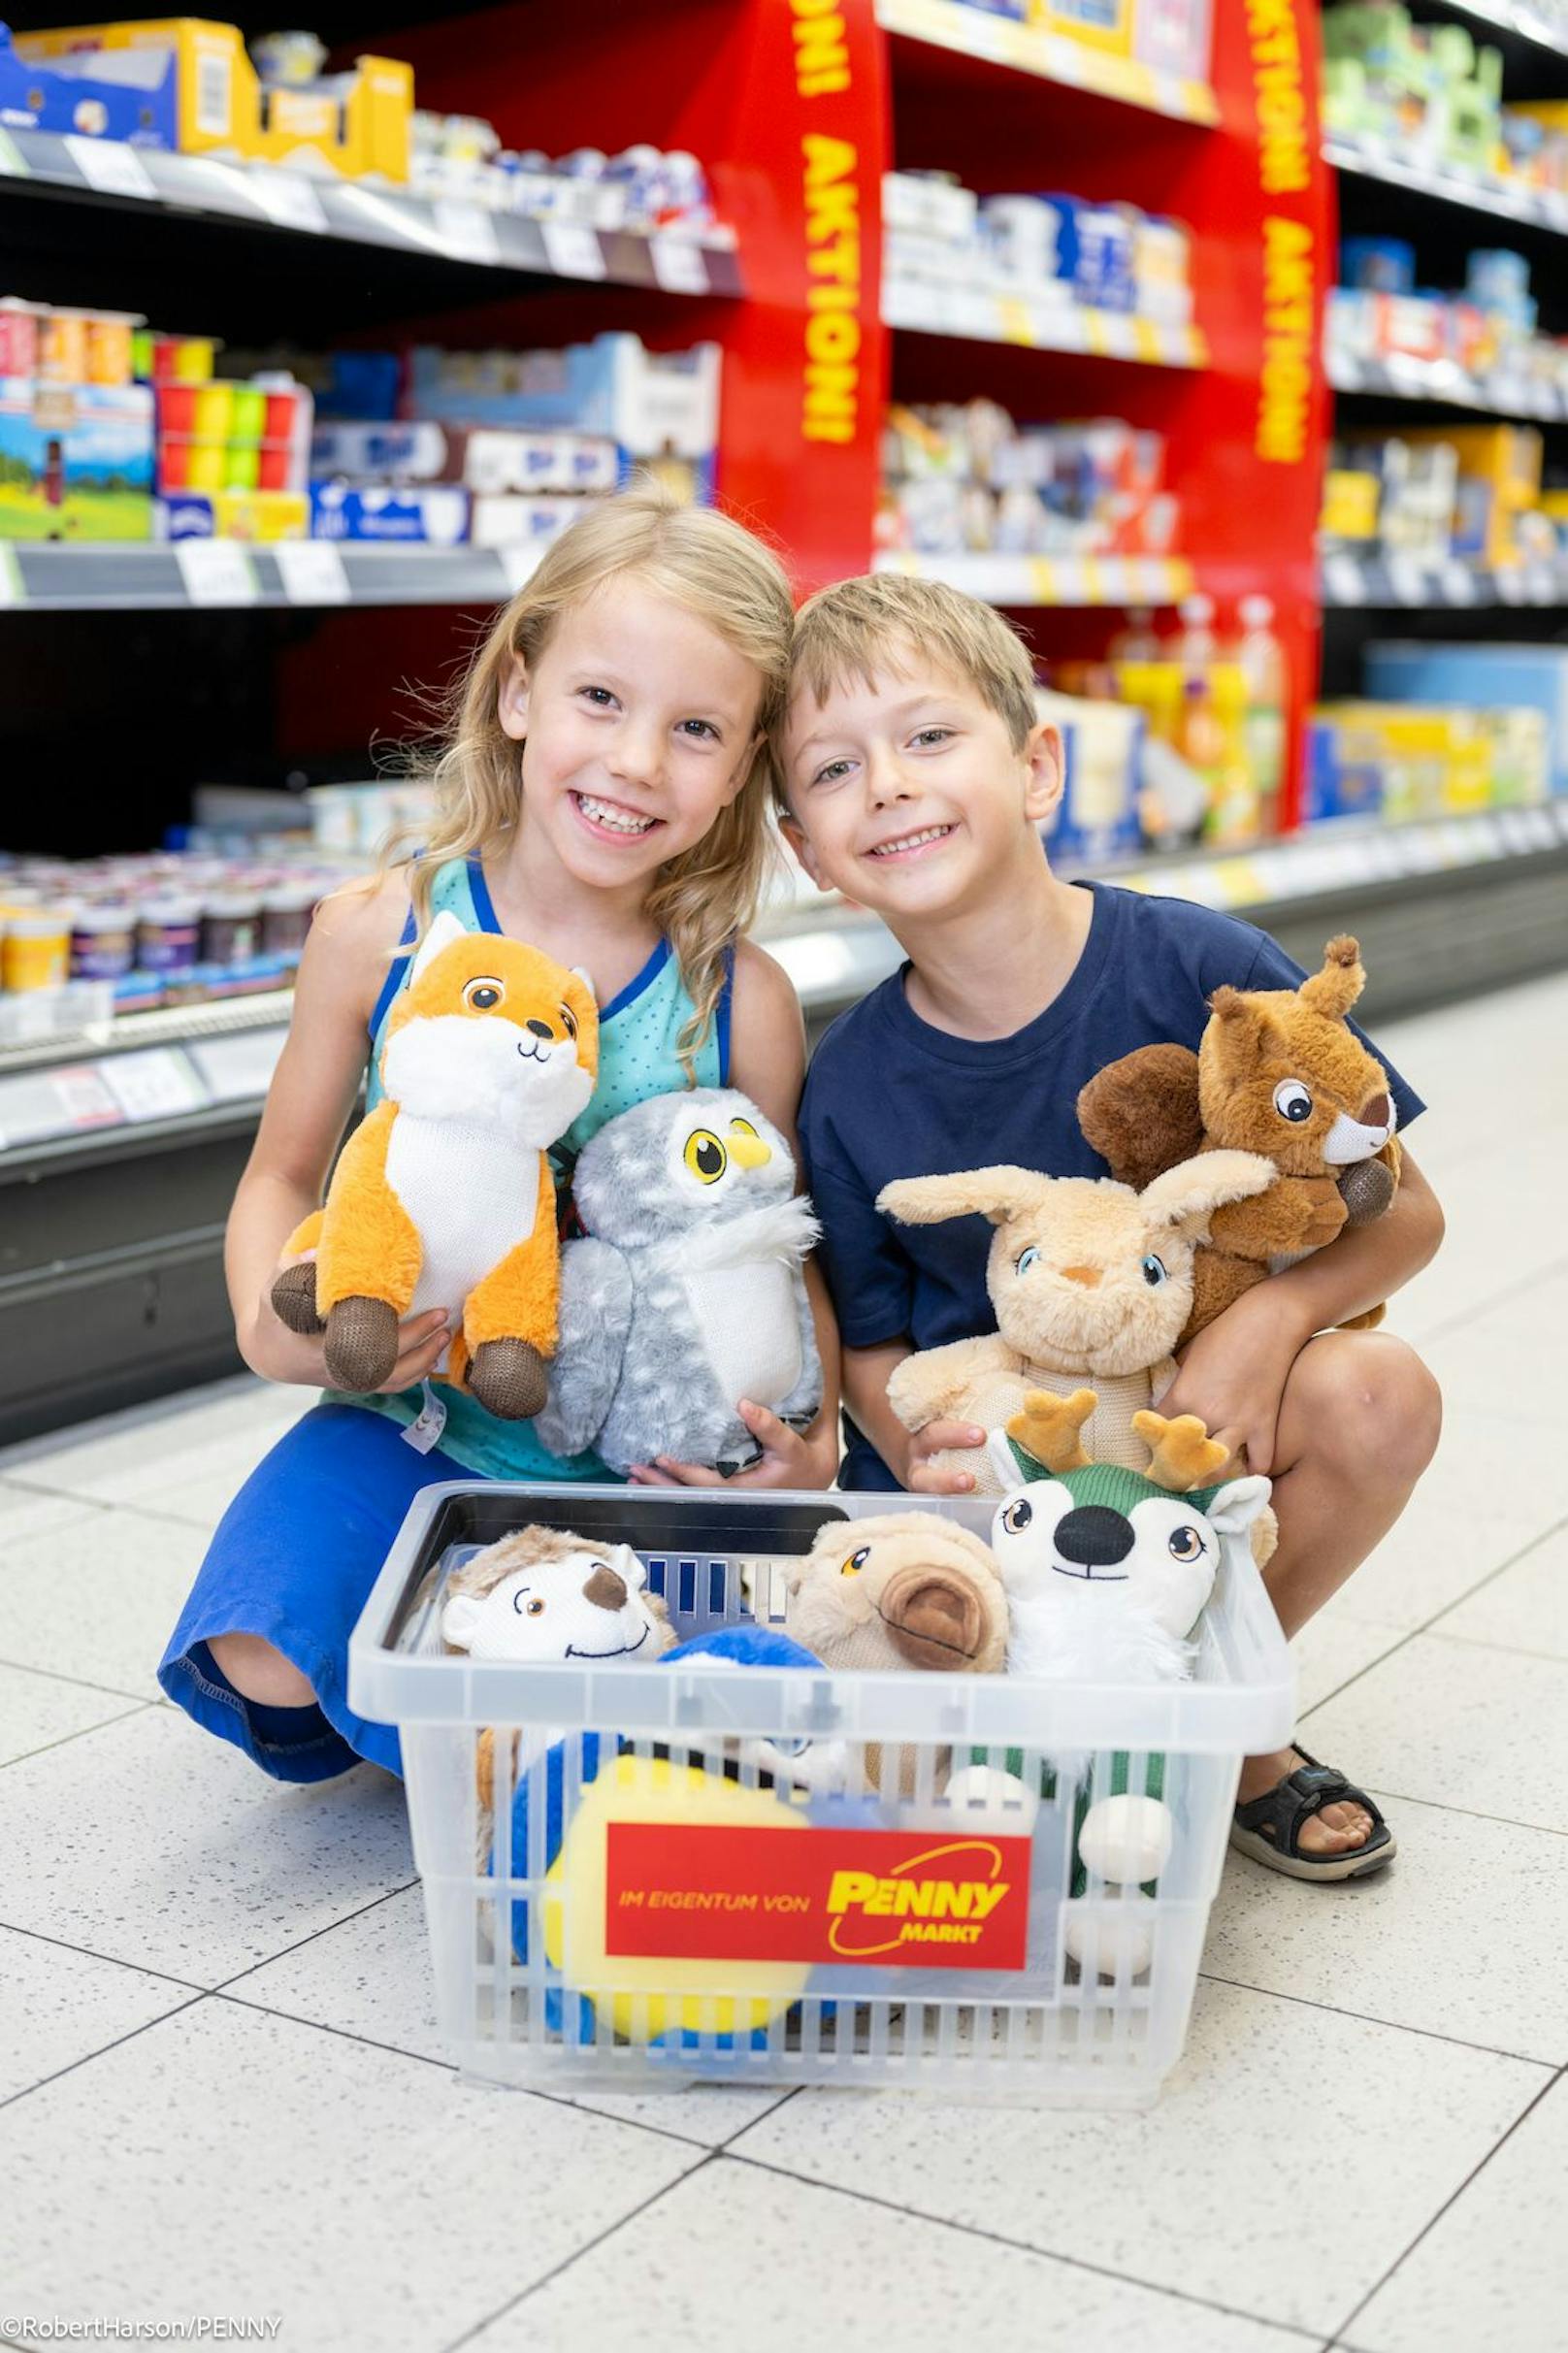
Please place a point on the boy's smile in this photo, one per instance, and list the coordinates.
(908, 794)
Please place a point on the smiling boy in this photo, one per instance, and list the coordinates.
(914, 778)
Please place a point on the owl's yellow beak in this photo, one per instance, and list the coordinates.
(748, 1149)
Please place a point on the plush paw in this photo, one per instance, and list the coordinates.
(1366, 1189)
(1322, 1212)
(362, 1344)
(293, 1299)
(509, 1377)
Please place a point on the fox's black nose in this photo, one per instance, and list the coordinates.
(539, 1029)
(1094, 1535)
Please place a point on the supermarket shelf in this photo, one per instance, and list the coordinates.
(1415, 379)
(1482, 192)
(1023, 580)
(977, 315)
(166, 1025)
(1351, 580)
(264, 196)
(973, 32)
(41, 577)
(1528, 23)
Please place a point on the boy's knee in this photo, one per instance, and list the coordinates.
(1377, 1410)
(259, 1672)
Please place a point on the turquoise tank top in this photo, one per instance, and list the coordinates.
(639, 1033)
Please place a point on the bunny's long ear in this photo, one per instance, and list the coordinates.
(1187, 1194)
(987, 1192)
(445, 927)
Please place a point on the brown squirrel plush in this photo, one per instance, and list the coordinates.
(1278, 1071)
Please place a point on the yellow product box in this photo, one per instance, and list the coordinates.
(1502, 466)
(260, 514)
(354, 123)
(1100, 24)
(1350, 507)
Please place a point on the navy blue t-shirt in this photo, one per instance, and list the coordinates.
(887, 1095)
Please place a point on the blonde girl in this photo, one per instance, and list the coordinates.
(604, 796)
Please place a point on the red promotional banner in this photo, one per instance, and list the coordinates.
(891, 1897)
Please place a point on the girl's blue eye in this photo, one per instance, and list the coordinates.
(1028, 1258)
(1154, 1271)
(700, 727)
(599, 696)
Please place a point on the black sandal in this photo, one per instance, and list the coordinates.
(1268, 1828)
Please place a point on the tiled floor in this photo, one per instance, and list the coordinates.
(221, 2093)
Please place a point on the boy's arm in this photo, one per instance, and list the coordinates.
(867, 1372)
(1234, 1374)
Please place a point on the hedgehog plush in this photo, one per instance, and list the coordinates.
(688, 1293)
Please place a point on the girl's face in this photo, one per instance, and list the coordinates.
(638, 726)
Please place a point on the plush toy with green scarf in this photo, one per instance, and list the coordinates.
(1107, 1573)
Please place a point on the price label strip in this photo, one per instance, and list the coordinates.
(216, 572)
(572, 249)
(112, 167)
(288, 199)
(311, 571)
(678, 266)
(466, 231)
(156, 1084)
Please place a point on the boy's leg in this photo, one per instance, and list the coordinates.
(1359, 1423)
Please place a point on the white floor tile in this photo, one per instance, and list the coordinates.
(38, 1710)
(370, 1976)
(1455, 1724)
(154, 1843)
(1508, 1360)
(26, 1511)
(1494, 2270)
(226, 2161)
(1173, 2198)
(1446, 1939)
(58, 2007)
(1332, 1647)
(98, 1598)
(1493, 1488)
(813, 2267)
(148, 1455)
(1524, 1608)
(1503, 1230)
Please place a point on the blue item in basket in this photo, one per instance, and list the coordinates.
(572, 2014)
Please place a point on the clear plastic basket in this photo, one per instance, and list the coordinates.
(520, 1912)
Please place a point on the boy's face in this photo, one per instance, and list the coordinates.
(909, 796)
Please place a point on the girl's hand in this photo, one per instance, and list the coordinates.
(278, 1354)
(922, 1476)
(790, 1458)
(1233, 1375)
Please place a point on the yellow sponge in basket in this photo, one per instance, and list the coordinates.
(653, 1997)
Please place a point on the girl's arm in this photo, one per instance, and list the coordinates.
(308, 1105)
(768, 1062)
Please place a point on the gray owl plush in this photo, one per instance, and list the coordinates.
(688, 1293)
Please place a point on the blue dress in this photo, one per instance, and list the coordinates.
(301, 1545)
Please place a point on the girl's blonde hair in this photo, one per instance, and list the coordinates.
(700, 560)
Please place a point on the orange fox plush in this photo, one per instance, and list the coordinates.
(444, 1197)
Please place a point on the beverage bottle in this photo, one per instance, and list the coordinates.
(1195, 647)
(1260, 657)
(1137, 642)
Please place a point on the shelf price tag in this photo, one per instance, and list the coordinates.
(156, 1084)
(12, 166)
(13, 588)
(518, 563)
(572, 249)
(680, 266)
(238, 1070)
(311, 571)
(111, 166)
(289, 200)
(466, 231)
(216, 572)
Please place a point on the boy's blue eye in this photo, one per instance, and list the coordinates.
(933, 735)
(831, 772)
(1154, 1271)
(1028, 1258)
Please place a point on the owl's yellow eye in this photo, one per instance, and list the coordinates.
(745, 1126)
(482, 996)
(706, 1156)
(856, 1561)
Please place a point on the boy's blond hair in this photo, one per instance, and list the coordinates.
(887, 620)
(700, 560)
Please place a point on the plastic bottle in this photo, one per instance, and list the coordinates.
(1195, 646)
(1261, 657)
(1138, 641)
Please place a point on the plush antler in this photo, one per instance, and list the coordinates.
(1182, 1453)
(1049, 1428)
(1335, 989)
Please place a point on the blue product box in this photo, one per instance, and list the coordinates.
(1490, 677)
(1338, 784)
(126, 95)
(1095, 252)
(1378, 265)
(433, 515)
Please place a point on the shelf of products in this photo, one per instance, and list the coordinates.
(1444, 583)
(230, 573)
(1441, 381)
(458, 229)
(1022, 582)
(975, 314)
(1481, 191)
(1028, 47)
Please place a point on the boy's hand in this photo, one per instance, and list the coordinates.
(1234, 1374)
(790, 1458)
(922, 1476)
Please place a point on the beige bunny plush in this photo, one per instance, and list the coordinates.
(1089, 1281)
